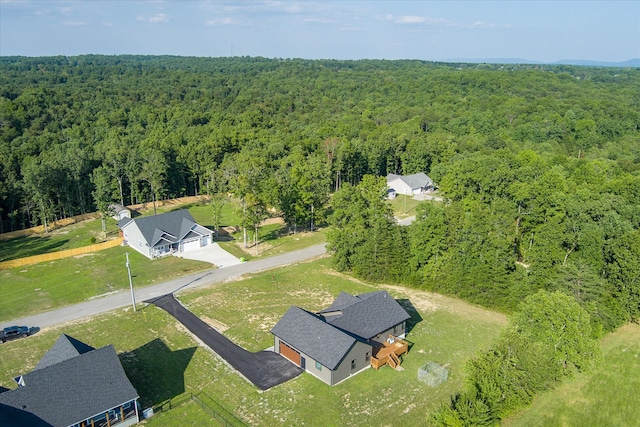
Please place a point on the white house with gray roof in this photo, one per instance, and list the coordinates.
(338, 342)
(73, 385)
(409, 185)
(160, 235)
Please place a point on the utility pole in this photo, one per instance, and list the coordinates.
(133, 296)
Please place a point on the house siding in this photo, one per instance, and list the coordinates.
(358, 353)
(400, 187)
(135, 239)
(325, 374)
(399, 331)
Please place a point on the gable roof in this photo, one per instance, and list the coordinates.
(366, 315)
(313, 336)
(342, 300)
(171, 227)
(64, 348)
(73, 390)
(417, 180)
(116, 208)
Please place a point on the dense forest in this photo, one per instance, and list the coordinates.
(539, 165)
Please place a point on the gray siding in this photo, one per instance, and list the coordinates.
(398, 331)
(358, 353)
(323, 374)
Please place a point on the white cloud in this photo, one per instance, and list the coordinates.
(416, 20)
(221, 21)
(487, 25)
(160, 17)
(157, 18)
(411, 19)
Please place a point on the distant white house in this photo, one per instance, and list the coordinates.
(119, 212)
(408, 184)
(164, 234)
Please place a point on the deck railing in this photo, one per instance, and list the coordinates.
(389, 352)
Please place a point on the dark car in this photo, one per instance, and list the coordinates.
(13, 332)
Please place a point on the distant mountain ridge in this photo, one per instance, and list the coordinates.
(634, 63)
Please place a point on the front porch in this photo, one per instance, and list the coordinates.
(389, 353)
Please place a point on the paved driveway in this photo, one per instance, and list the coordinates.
(213, 254)
(265, 369)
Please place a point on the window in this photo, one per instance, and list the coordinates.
(367, 356)
(353, 364)
(318, 366)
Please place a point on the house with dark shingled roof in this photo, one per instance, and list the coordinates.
(73, 385)
(338, 342)
(160, 235)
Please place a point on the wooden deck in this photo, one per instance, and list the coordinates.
(389, 353)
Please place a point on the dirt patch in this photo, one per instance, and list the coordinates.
(83, 255)
(218, 326)
(428, 301)
(270, 221)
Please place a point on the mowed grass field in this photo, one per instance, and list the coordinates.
(45, 286)
(73, 236)
(163, 361)
(41, 287)
(608, 396)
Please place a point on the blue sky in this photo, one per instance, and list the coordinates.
(429, 30)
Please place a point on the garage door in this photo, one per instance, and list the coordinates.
(191, 245)
(289, 353)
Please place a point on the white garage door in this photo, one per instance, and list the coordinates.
(191, 245)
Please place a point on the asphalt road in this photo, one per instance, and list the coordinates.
(123, 298)
(265, 369)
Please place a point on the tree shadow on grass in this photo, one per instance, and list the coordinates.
(26, 246)
(411, 311)
(156, 371)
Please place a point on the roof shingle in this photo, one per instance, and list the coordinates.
(72, 390)
(313, 336)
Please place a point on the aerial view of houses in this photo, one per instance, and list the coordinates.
(319, 213)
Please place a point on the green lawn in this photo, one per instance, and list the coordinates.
(404, 206)
(606, 397)
(73, 236)
(163, 361)
(40, 287)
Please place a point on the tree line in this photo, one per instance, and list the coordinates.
(281, 134)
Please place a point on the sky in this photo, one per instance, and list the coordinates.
(545, 31)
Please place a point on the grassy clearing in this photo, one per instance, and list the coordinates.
(40, 287)
(73, 236)
(606, 397)
(404, 206)
(443, 329)
(163, 361)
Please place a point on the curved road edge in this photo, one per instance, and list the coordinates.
(204, 278)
